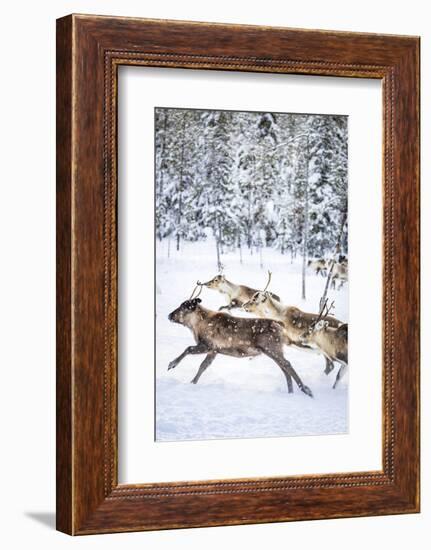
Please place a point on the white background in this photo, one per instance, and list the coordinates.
(27, 125)
(141, 458)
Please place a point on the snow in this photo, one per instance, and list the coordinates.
(251, 177)
(240, 398)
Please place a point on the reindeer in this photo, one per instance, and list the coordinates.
(340, 273)
(295, 321)
(216, 332)
(333, 342)
(318, 265)
(342, 259)
(236, 295)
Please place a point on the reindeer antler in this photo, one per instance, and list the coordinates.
(269, 280)
(322, 313)
(198, 284)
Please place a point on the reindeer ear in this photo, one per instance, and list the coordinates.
(320, 325)
(194, 303)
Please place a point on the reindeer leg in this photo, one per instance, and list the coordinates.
(233, 304)
(287, 368)
(191, 350)
(329, 365)
(288, 380)
(204, 365)
(286, 374)
(340, 375)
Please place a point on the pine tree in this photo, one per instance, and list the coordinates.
(219, 189)
(251, 179)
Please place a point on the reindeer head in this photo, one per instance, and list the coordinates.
(257, 300)
(216, 282)
(313, 329)
(183, 313)
(319, 324)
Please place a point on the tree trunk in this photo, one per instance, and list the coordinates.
(217, 252)
(305, 230)
(220, 239)
(162, 161)
(337, 249)
(283, 239)
(181, 187)
(249, 244)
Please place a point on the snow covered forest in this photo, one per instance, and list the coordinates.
(251, 180)
(246, 193)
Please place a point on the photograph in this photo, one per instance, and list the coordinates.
(251, 274)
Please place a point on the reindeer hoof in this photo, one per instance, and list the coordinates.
(307, 391)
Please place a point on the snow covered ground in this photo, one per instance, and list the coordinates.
(239, 397)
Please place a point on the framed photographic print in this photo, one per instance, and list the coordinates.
(237, 274)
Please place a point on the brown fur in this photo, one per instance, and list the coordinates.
(236, 295)
(295, 320)
(216, 332)
(339, 273)
(319, 266)
(333, 342)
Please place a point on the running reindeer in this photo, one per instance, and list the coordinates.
(319, 266)
(333, 342)
(294, 320)
(236, 295)
(339, 273)
(216, 332)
